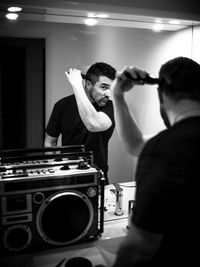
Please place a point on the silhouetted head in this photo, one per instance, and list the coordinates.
(179, 79)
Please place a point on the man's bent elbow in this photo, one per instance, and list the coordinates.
(97, 127)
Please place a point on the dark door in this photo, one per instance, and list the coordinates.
(22, 92)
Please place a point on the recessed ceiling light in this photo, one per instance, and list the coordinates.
(174, 21)
(95, 15)
(91, 15)
(14, 9)
(12, 16)
(158, 21)
(91, 22)
(157, 27)
(102, 16)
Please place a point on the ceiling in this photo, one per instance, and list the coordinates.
(76, 13)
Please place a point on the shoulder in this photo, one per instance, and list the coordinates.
(175, 140)
(155, 140)
(66, 102)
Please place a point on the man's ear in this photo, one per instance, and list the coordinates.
(88, 85)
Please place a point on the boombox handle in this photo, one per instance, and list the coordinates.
(102, 189)
(45, 153)
(24, 151)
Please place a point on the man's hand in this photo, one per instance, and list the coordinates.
(75, 78)
(126, 79)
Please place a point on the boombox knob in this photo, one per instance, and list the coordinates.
(83, 165)
(65, 167)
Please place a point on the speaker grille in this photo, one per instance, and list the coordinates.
(65, 217)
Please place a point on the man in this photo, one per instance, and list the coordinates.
(165, 225)
(86, 117)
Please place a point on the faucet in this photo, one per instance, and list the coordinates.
(119, 196)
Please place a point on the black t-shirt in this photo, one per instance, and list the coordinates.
(167, 192)
(65, 120)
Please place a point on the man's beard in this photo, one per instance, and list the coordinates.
(102, 102)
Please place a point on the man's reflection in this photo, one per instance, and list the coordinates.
(86, 117)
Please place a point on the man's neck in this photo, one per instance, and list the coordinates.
(185, 109)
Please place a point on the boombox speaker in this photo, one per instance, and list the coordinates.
(49, 208)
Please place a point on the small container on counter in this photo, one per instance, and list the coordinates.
(118, 204)
(131, 205)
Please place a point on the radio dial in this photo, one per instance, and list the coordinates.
(38, 198)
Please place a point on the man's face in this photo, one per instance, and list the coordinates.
(100, 91)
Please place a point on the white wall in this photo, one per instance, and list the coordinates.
(71, 45)
(196, 44)
(147, 50)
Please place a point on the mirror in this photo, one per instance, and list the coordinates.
(72, 44)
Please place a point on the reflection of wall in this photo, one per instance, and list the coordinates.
(71, 45)
(147, 50)
(196, 44)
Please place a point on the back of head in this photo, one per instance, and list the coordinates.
(100, 69)
(180, 79)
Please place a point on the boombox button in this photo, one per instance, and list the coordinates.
(91, 192)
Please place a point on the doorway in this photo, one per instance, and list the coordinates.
(22, 92)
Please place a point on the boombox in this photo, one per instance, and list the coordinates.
(49, 199)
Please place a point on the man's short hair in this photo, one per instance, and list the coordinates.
(180, 79)
(100, 69)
